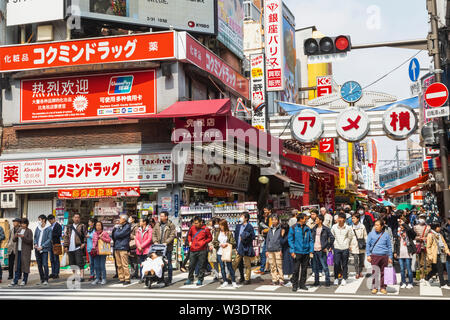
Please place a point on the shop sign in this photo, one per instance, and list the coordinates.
(22, 173)
(166, 203)
(326, 145)
(89, 96)
(399, 122)
(231, 25)
(417, 198)
(273, 20)
(306, 126)
(176, 202)
(258, 91)
(206, 60)
(342, 181)
(219, 193)
(148, 167)
(96, 193)
(324, 85)
(200, 129)
(138, 47)
(235, 177)
(352, 124)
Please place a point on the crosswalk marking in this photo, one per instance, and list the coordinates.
(206, 281)
(119, 285)
(267, 288)
(430, 290)
(352, 286)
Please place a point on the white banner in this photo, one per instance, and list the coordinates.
(33, 11)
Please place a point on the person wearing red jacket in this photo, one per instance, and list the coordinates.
(198, 237)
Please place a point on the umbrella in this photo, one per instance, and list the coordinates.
(388, 203)
(404, 205)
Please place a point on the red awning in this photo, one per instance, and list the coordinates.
(198, 108)
(407, 185)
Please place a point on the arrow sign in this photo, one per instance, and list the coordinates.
(436, 95)
(414, 70)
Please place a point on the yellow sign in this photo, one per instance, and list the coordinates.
(342, 178)
(257, 72)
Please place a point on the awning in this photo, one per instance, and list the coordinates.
(312, 162)
(408, 185)
(292, 108)
(296, 189)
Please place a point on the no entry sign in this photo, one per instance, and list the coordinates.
(436, 95)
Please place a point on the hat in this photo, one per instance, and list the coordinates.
(17, 220)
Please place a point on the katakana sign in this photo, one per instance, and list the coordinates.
(400, 122)
(352, 124)
(324, 85)
(273, 34)
(147, 46)
(326, 145)
(306, 126)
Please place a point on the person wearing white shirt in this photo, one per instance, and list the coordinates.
(343, 235)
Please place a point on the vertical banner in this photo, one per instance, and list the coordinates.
(273, 19)
(342, 182)
(258, 91)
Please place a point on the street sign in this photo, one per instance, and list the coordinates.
(437, 112)
(414, 70)
(436, 95)
(306, 126)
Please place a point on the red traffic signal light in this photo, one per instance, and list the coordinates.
(327, 45)
(342, 43)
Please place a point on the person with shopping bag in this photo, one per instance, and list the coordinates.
(224, 243)
(404, 249)
(437, 253)
(101, 248)
(379, 254)
(323, 243)
(214, 228)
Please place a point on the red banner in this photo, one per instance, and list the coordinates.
(326, 145)
(204, 129)
(86, 97)
(93, 193)
(138, 47)
(200, 56)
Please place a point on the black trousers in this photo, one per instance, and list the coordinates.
(438, 268)
(341, 263)
(11, 259)
(197, 257)
(300, 261)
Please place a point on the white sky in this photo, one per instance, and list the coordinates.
(398, 20)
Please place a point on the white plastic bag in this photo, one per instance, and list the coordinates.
(64, 260)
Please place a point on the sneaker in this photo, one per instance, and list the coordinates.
(328, 284)
(343, 282)
(38, 284)
(374, 291)
(422, 281)
(336, 282)
(241, 280)
(199, 282)
(187, 282)
(288, 284)
(224, 285)
(56, 276)
(95, 282)
(235, 285)
(12, 284)
(45, 283)
(91, 278)
(22, 283)
(183, 269)
(445, 287)
(409, 286)
(383, 291)
(403, 286)
(103, 281)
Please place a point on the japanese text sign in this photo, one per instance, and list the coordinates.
(197, 129)
(148, 46)
(306, 126)
(326, 145)
(148, 167)
(324, 86)
(273, 34)
(258, 90)
(92, 193)
(342, 182)
(86, 97)
(400, 121)
(206, 60)
(352, 124)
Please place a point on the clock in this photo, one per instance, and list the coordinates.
(351, 91)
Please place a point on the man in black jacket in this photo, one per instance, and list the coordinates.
(323, 242)
(56, 239)
(121, 237)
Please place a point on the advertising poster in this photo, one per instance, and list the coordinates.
(86, 97)
(258, 91)
(230, 25)
(289, 94)
(148, 167)
(273, 24)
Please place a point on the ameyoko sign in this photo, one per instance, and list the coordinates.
(86, 97)
(306, 126)
(400, 122)
(352, 124)
(138, 47)
(64, 172)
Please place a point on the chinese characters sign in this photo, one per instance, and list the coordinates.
(92, 193)
(326, 145)
(199, 129)
(306, 126)
(22, 173)
(341, 183)
(149, 46)
(203, 58)
(90, 96)
(273, 30)
(400, 121)
(352, 124)
(258, 91)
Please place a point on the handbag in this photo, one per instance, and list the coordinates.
(104, 248)
(361, 242)
(212, 256)
(227, 253)
(330, 258)
(419, 246)
(64, 260)
(390, 278)
(57, 249)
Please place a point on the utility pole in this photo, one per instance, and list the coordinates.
(434, 51)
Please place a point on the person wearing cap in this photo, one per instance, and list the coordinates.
(11, 248)
(293, 220)
(422, 230)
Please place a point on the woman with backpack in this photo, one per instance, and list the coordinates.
(223, 240)
(404, 249)
(99, 259)
(358, 244)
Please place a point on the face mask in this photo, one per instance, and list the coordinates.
(360, 212)
(216, 226)
(241, 220)
(421, 221)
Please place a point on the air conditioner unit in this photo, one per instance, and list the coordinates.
(8, 200)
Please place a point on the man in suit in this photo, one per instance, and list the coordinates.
(56, 239)
(244, 235)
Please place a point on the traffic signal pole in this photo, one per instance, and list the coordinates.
(434, 51)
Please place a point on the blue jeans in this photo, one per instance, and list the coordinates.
(169, 266)
(18, 273)
(263, 258)
(42, 262)
(222, 269)
(99, 263)
(447, 265)
(320, 260)
(91, 265)
(55, 263)
(405, 265)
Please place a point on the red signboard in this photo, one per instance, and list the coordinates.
(326, 145)
(436, 95)
(89, 193)
(148, 46)
(86, 97)
(324, 86)
(205, 129)
(200, 56)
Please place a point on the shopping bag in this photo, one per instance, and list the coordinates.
(390, 278)
(227, 253)
(330, 258)
(212, 256)
(64, 260)
(104, 248)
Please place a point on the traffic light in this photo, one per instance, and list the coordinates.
(327, 45)
(430, 134)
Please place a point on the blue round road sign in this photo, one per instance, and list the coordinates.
(414, 70)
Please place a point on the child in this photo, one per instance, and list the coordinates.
(154, 264)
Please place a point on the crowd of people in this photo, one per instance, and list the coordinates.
(316, 239)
